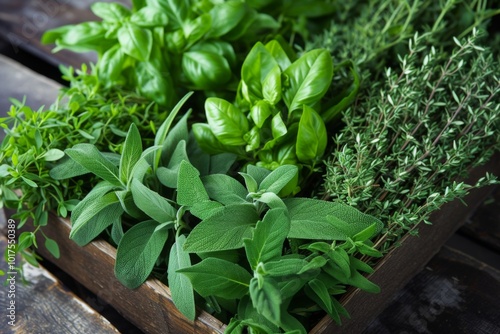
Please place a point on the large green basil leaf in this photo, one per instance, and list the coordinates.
(226, 16)
(138, 251)
(207, 140)
(154, 83)
(135, 41)
(195, 29)
(149, 17)
(113, 12)
(256, 67)
(110, 66)
(176, 10)
(219, 47)
(206, 70)
(226, 121)
(260, 112)
(307, 79)
(311, 137)
(279, 54)
(271, 86)
(87, 36)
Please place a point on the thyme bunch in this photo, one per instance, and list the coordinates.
(409, 139)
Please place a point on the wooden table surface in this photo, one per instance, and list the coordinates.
(457, 292)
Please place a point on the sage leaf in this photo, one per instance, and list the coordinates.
(180, 286)
(91, 159)
(268, 237)
(152, 203)
(138, 251)
(278, 178)
(217, 277)
(53, 154)
(225, 229)
(224, 189)
(131, 153)
(52, 246)
(266, 298)
(190, 189)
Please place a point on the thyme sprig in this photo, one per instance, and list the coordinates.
(408, 140)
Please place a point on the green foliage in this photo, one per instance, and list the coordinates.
(278, 117)
(160, 48)
(415, 133)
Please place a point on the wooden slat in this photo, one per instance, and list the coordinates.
(149, 307)
(43, 305)
(484, 226)
(454, 294)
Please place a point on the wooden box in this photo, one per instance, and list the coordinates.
(150, 307)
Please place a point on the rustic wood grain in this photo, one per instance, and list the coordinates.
(18, 82)
(399, 266)
(484, 227)
(149, 307)
(454, 293)
(43, 305)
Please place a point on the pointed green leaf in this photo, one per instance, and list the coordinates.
(225, 229)
(268, 237)
(226, 121)
(190, 189)
(278, 178)
(138, 251)
(225, 189)
(135, 41)
(152, 203)
(180, 286)
(266, 298)
(217, 277)
(91, 159)
(131, 153)
(311, 137)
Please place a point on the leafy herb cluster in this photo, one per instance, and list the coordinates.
(243, 248)
(409, 140)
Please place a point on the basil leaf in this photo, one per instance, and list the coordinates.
(260, 112)
(308, 79)
(135, 41)
(176, 10)
(271, 86)
(223, 230)
(279, 54)
(83, 37)
(195, 29)
(206, 70)
(311, 136)
(155, 84)
(226, 16)
(268, 237)
(226, 121)
(180, 286)
(149, 17)
(113, 12)
(138, 251)
(278, 127)
(256, 67)
(110, 66)
(217, 277)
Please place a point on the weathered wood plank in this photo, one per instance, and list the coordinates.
(454, 294)
(484, 226)
(18, 82)
(43, 305)
(149, 307)
(399, 266)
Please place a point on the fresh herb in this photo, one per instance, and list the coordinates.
(409, 140)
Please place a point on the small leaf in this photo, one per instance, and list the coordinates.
(52, 247)
(53, 155)
(226, 121)
(217, 277)
(311, 136)
(266, 298)
(149, 17)
(225, 189)
(278, 178)
(138, 251)
(113, 12)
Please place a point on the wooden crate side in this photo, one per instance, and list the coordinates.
(149, 307)
(397, 268)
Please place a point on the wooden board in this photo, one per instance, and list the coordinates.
(43, 305)
(454, 294)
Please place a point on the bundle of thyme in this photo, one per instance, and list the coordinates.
(409, 138)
